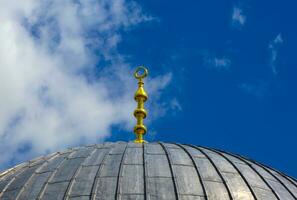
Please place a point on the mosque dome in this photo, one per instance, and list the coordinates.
(139, 171)
(144, 171)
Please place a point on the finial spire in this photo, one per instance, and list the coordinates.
(140, 97)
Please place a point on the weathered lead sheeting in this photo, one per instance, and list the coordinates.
(150, 171)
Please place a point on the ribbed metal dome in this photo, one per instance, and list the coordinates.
(153, 171)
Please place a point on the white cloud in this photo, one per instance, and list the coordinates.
(222, 63)
(273, 47)
(48, 51)
(238, 18)
(278, 39)
(217, 63)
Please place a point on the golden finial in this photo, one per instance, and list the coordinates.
(140, 97)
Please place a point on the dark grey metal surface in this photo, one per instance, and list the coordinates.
(153, 171)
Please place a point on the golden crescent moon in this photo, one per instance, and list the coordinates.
(141, 72)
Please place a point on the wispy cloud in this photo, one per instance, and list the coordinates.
(175, 105)
(222, 63)
(238, 18)
(273, 48)
(261, 88)
(48, 50)
(218, 63)
(258, 89)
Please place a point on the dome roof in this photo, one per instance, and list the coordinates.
(152, 171)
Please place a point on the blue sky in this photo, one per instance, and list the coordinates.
(234, 77)
(221, 74)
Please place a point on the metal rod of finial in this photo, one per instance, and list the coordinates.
(140, 97)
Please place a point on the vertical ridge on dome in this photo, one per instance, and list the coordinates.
(256, 171)
(287, 181)
(278, 187)
(196, 168)
(253, 178)
(8, 176)
(56, 185)
(37, 182)
(108, 176)
(171, 171)
(289, 178)
(24, 187)
(160, 182)
(22, 176)
(280, 181)
(100, 163)
(274, 178)
(216, 169)
(15, 186)
(187, 180)
(9, 171)
(82, 153)
(117, 193)
(214, 186)
(131, 179)
(235, 167)
(237, 186)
